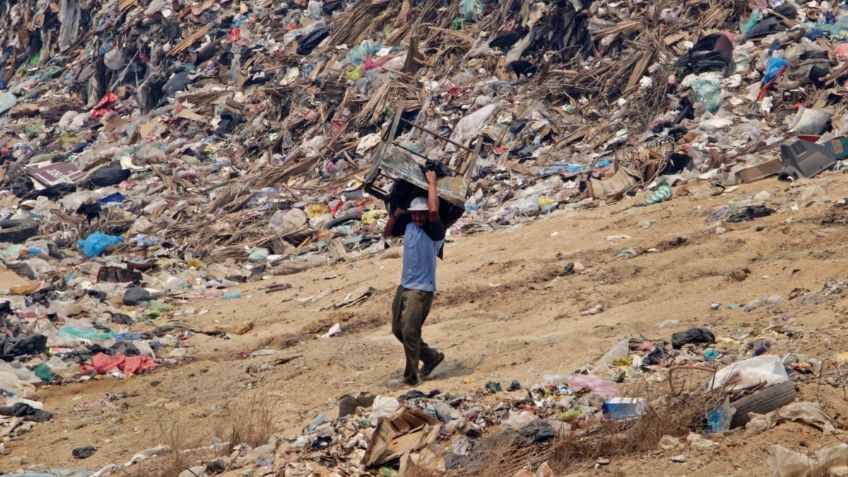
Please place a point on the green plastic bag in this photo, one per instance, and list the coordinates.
(709, 93)
(90, 334)
(661, 194)
(43, 372)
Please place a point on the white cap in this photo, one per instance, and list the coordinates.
(419, 204)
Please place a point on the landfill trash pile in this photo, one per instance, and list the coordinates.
(154, 151)
(446, 434)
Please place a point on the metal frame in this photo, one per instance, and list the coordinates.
(397, 162)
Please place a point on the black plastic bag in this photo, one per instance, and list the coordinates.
(711, 53)
(751, 213)
(22, 346)
(305, 44)
(105, 177)
(136, 295)
(692, 335)
(438, 167)
(178, 82)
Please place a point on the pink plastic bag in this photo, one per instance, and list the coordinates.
(600, 386)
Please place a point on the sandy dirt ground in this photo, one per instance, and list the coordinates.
(502, 313)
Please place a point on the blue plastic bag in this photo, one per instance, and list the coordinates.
(115, 198)
(718, 420)
(96, 243)
(231, 295)
(773, 68)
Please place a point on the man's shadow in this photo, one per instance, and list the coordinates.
(448, 369)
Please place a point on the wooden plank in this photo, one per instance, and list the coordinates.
(189, 40)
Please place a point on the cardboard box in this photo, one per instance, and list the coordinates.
(759, 172)
(55, 173)
(408, 431)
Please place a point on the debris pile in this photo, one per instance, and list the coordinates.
(455, 434)
(151, 151)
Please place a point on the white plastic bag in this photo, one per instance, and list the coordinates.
(809, 121)
(468, 126)
(750, 372)
(384, 406)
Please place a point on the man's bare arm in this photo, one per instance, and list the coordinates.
(432, 196)
(389, 231)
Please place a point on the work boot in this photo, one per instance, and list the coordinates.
(428, 368)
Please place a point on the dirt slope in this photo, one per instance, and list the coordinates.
(502, 313)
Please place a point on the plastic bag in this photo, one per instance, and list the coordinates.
(517, 420)
(96, 243)
(49, 473)
(384, 406)
(599, 386)
(773, 68)
(259, 254)
(718, 419)
(660, 194)
(468, 126)
(89, 334)
(787, 463)
(307, 43)
(708, 92)
(363, 50)
(7, 102)
(752, 21)
(314, 9)
(750, 372)
(809, 121)
(619, 351)
(470, 9)
(43, 371)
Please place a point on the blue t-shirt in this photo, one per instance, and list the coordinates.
(420, 249)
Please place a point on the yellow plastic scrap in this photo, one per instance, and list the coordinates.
(71, 139)
(316, 210)
(625, 362)
(372, 216)
(165, 262)
(209, 149)
(195, 263)
(570, 415)
(354, 74)
(545, 202)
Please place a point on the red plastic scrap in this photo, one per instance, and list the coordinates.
(102, 363)
(105, 105)
(369, 64)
